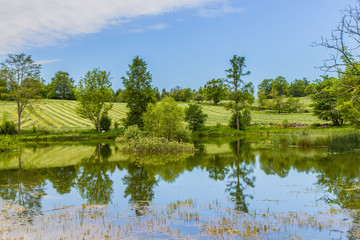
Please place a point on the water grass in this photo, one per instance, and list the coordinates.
(179, 220)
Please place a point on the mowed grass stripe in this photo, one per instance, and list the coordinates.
(40, 117)
(70, 112)
(65, 117)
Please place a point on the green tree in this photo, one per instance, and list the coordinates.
(181, 94)
(324, 101)
(138, 92)
(61, 86)
(349, 97)
(23, 80)
(242, 94)
(298, 88)
(163, 119)
(194, 116)
(265, 87)
(281, 86)
(215, 90)
(93, 93)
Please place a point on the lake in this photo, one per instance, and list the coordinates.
(228, 189)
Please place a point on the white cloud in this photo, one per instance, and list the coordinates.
(216, 11)
(42, 62)
(156, 27)
(25, 23)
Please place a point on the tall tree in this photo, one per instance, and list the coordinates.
(215, 90)
(93, 93)
(23, 80)
(242, 93)
(281, 86)
(344, 44)
(61, 86)
(138, 92)
(298, 87)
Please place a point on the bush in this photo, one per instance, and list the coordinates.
(116, 125)
(7, 127)
(132, 132)
(195, 117)
(232, 122)
(105, 122)
(155, 144)
(183, 135)
(246, 114)
(8, 143)
(285, 123)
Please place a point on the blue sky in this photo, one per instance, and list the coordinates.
(184, 42)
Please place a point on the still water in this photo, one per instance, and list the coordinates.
(239, 176)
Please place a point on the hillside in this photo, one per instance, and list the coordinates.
(60, 115)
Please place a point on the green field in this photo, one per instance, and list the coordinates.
(60, 115)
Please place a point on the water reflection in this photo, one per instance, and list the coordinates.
(92, 167)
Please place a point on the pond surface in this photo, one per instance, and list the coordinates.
(290, 192)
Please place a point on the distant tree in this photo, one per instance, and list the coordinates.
(181, 94)
(262, 98)
(265, 87)
(195, 117)
(163, 119)
(293, 105)
(61, 86)
(215, 90)
(198, 97)
(298, 88)
(277, 101)
(22, 75)
(93, 93)
(164, 93)
(281, 86)
(138, 92)
(242, 94)
(325, 101)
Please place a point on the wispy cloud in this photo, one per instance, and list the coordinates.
(42, 62)
(25, 23)
(156, 27)
(218, 11)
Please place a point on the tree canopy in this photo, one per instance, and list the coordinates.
(61, 86)
(138, 92)
(22, 77)
(93, 93)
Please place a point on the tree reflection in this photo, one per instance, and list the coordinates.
(24, 187)
(240, 174)
(139, 187)
(94, 183)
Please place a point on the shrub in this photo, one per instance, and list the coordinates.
(195, 117)
(285, 123)
(232, 122)
(105, 122)
(116, 125)
(132, 132)
(183, 135)
(8, 143)
(7, 127)
(155, 144)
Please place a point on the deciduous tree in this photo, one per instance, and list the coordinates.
(93, 93)
(138, 92)
(61, 86)
(22, 75)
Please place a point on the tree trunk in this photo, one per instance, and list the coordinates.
(19, 117)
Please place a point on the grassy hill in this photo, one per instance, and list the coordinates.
(60, 115)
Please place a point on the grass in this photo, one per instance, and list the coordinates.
(60, 115)
(178, 220)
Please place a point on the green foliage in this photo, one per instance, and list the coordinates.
(285, 123)
(215, 90)
(199, 97)
(195, 117)
(241, 94)
(138, 92)
(7, 127)
(105, 121)
(61, 87)
(298, 88)
(116, 125)
(163, 119)
(348, 94)
(22, 75)
(8, 143)
(233, 124)
(155, 144)
(293, 105)
(265, 87)
(132, 132)
(181, 94)
(325, 101)
(281, 86)
(93, 91)
(246, 115)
